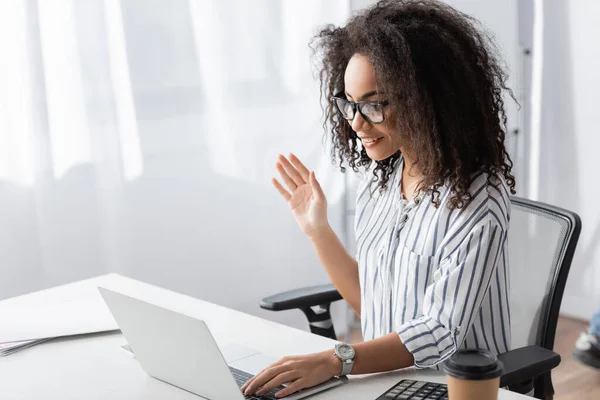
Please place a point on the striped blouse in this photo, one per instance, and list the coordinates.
(438, 277)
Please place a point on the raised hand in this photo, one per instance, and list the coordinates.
(303, 194)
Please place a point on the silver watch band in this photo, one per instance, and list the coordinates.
(347, 367)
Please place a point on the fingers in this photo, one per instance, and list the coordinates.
(291, 171)
(245, 385)
(277, 381)
(286, 195)
(249, 382)
(253, 379)
(293, 388)
(304, 172)
(286, 178)
(263, 377)
(316, 187)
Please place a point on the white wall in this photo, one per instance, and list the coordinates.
(571, 137)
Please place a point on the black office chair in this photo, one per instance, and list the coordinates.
(542, 240)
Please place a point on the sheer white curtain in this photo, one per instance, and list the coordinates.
(139, 136)
(67, 129)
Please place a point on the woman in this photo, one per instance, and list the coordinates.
(416, 101)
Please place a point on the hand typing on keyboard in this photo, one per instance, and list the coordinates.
(242, 377)
(299, 371)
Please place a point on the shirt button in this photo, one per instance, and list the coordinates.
(417, 200)
(405, 218)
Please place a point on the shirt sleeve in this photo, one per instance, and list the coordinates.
(455, 296)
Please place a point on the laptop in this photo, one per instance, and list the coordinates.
(180, 350)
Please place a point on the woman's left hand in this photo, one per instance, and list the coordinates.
(299, 371)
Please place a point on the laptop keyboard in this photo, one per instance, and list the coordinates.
(242, 377)
(416, 390)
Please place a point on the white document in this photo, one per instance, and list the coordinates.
(75, 309)
(9, 348)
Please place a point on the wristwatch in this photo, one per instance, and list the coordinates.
(345, 353)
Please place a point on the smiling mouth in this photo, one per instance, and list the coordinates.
(371, 140)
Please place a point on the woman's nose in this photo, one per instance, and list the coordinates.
(358, 123)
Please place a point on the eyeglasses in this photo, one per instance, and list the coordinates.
(371, 111)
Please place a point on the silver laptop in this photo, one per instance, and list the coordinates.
(180, 350)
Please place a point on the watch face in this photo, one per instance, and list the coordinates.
(346, 351)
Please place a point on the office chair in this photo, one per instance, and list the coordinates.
(542, 240)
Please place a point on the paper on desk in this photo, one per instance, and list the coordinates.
(9, 348)
(77, 311)
(10, 345)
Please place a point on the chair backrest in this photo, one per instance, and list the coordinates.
(541, 243)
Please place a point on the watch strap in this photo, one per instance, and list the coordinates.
(347, 367)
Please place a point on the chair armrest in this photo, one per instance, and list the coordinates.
(301, 298)
(526, 363)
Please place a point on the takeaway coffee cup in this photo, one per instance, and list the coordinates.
(473, 374)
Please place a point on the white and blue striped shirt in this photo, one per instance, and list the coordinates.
(438, 277)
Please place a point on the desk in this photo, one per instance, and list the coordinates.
(94, 367)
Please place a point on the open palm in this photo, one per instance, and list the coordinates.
(305, 196)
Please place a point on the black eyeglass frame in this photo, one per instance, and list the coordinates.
(358, 106)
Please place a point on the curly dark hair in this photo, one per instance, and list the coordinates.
(440, 72)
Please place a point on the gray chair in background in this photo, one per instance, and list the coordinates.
(542, 240)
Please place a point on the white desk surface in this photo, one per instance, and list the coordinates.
(94, 367)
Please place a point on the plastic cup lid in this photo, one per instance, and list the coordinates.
(473, 364)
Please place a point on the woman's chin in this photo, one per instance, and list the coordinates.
(379, 155)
